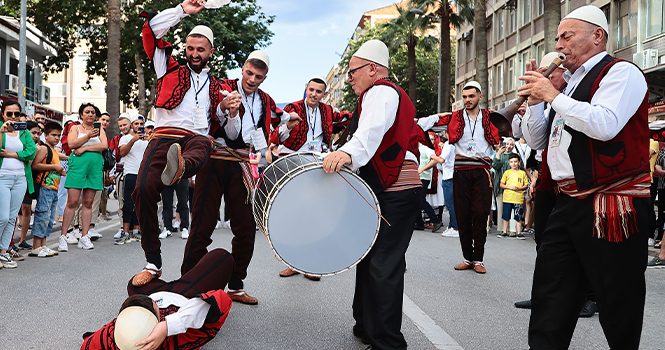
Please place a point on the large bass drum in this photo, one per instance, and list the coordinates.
(315, 222)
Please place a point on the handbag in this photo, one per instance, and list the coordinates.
(109, 159)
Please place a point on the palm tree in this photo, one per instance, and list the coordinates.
(407, 29)
(480, 37)
(449, 12)
(552, 17)
(113, 63)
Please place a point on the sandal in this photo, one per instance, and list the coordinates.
(142, 278)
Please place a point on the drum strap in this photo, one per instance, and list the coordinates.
(241, 156)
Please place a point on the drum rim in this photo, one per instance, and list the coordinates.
(310, 167)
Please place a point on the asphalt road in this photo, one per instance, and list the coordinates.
(50, 303)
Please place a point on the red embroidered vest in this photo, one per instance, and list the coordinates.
(268, 124)
(383, 169)
(333, 122)
(598, 162)
(456, 123)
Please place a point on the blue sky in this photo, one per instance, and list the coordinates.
(309, 37)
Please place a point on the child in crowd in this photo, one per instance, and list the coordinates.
(48, 169)
(513, 183)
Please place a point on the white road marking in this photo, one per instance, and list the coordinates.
(435, 334)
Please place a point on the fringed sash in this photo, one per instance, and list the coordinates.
(241, 156)
(615, 218)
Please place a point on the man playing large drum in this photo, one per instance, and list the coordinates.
(389, 164)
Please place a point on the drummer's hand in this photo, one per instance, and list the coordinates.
(335, 161)
(294, 119)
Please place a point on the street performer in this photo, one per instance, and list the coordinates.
(248, 115)
(186, 98)
(475, 139)
(597, 160)
(383, 147)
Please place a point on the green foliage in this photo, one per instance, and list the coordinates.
(427, 62)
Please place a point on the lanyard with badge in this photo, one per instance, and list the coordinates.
(200, 114)
(257, 138)
(559, 123)
(313, 144)
(472, 144)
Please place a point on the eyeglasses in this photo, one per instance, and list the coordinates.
(13, 114)
(354, 70)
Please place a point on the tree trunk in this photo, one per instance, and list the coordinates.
(140, 77)
(113, 64)
(444, 59)
(411, 55)
(480, 38)
(552, 17)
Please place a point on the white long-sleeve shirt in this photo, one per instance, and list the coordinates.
(314, 131)
(618, 97)
(191, 313)
(193, 113)
(379, 109)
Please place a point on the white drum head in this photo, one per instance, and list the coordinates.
(215, 4)
(320, 224)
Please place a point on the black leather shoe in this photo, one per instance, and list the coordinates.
(359, 333)
(525, 304)
(437, 227)
(589, 309)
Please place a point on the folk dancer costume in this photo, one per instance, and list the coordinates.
(183, 105)
(390, 167)
(474, 143)
(227, 174)
(314, 132)
(194, 306)
(597, 161)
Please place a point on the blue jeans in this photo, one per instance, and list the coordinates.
(449, 201)
(47, 204)
(12, 190)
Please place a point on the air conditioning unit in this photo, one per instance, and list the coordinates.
(44, 95)
(467, 36)
(650, 58)
(12, 83)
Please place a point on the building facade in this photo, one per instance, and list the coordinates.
(515, 34)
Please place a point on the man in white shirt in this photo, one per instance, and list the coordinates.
(448, 156)
(596, 159)
(383, 148)
(131, 149)
(185, 102)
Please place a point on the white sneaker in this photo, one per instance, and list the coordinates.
(71, 239)
(118, 234)
(165, 233)
(175, 223)
(651, 242)
(93, 234)
(84, 243)
(76, 233)
(227, 224)
(184, 234)
(443, 234)
(452, 233)
(49, 251)
(62, 244)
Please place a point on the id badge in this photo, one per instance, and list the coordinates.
(557, 131)
(258, 139)
(314, 146)
(472, 146)
(200, 118)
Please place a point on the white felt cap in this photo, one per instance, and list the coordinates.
(473, 84)
(261, 56)
(204, 31)
(375, 51)
(590, 14)
(133, 324)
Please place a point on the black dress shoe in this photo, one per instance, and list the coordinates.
(359, 332)
(437, 227)
(589, 309)
(525, 304)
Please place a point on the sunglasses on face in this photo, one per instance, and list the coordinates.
(354, 70)
(13, 114)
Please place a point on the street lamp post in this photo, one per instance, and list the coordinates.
(23, 54)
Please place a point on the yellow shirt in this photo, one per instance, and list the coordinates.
(514, 178)
(653, 154)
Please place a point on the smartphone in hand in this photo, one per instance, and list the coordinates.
(97, 125)
(17, 126)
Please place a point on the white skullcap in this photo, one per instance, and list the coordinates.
(123, 115)
(375, 51)
(473, 84)
(135, 117)
(149, 124)
(259, 55)
(590, 14)
(204, 31)
(133, 324)
(549, 59)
